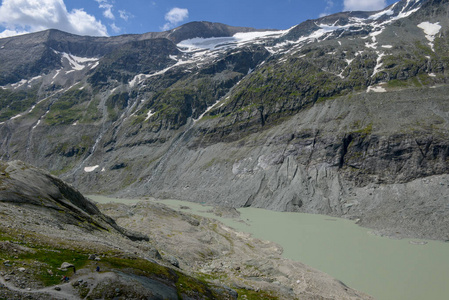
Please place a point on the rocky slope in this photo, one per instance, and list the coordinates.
(49, 230)
(344, 115)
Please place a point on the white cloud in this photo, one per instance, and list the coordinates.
(8, 32)
(328, 8)
(175, 16)
(115, 28)
(364, 5)
(22, 16)
(107, 13)
(125, 15)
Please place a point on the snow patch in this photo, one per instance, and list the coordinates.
(34, 78)
(226, 42)
(90, 169)
(19, 84)
(95, 65)
(405, 13)
(15, 117)
(57, 73)
(376, 89)
(77, 63)
(379, 63)
(207, 110)
(141, 77)
(38, 122)
(149, 115)
(371, 45)
(388, 12)
(430, 29)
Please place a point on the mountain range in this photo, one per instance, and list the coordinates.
(345, 115)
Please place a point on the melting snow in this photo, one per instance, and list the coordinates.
(379, 63)
(377, 89)
(57, 73)
(20, 83)
(78, 63)
(95, 65)
(149, 115)
(430, 30)
(15, 117)
(141, 77)
(220, 42)
(38, 122)
(372, 45)
(382, 13)
(35, 78)
(90, 169)
(207, 110)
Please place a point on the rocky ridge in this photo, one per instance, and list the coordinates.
(343, 115)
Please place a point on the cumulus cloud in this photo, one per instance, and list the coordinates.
(23, 16)
(107, 12)
(364, 5)
(175, 16)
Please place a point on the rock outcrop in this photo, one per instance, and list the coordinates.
(27, 187)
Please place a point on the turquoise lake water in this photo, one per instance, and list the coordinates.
(385, 268)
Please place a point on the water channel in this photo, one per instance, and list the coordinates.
(388, 269)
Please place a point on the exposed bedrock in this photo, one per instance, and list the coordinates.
(357, 157)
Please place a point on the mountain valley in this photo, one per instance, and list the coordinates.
(346, 115)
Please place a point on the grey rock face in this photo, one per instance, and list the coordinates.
(21, 184)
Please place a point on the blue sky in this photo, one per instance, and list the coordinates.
(115, 17)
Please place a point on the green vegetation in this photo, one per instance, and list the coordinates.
(68, 108)
(44, 259)
(52, 259)
(253, 295)
(366, 130)
(12, 103)
(185, 284)
(139, 266)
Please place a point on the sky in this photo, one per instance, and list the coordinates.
(116, 17)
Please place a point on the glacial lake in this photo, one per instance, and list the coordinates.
(387, 269)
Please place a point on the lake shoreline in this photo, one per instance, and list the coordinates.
(392, 267)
